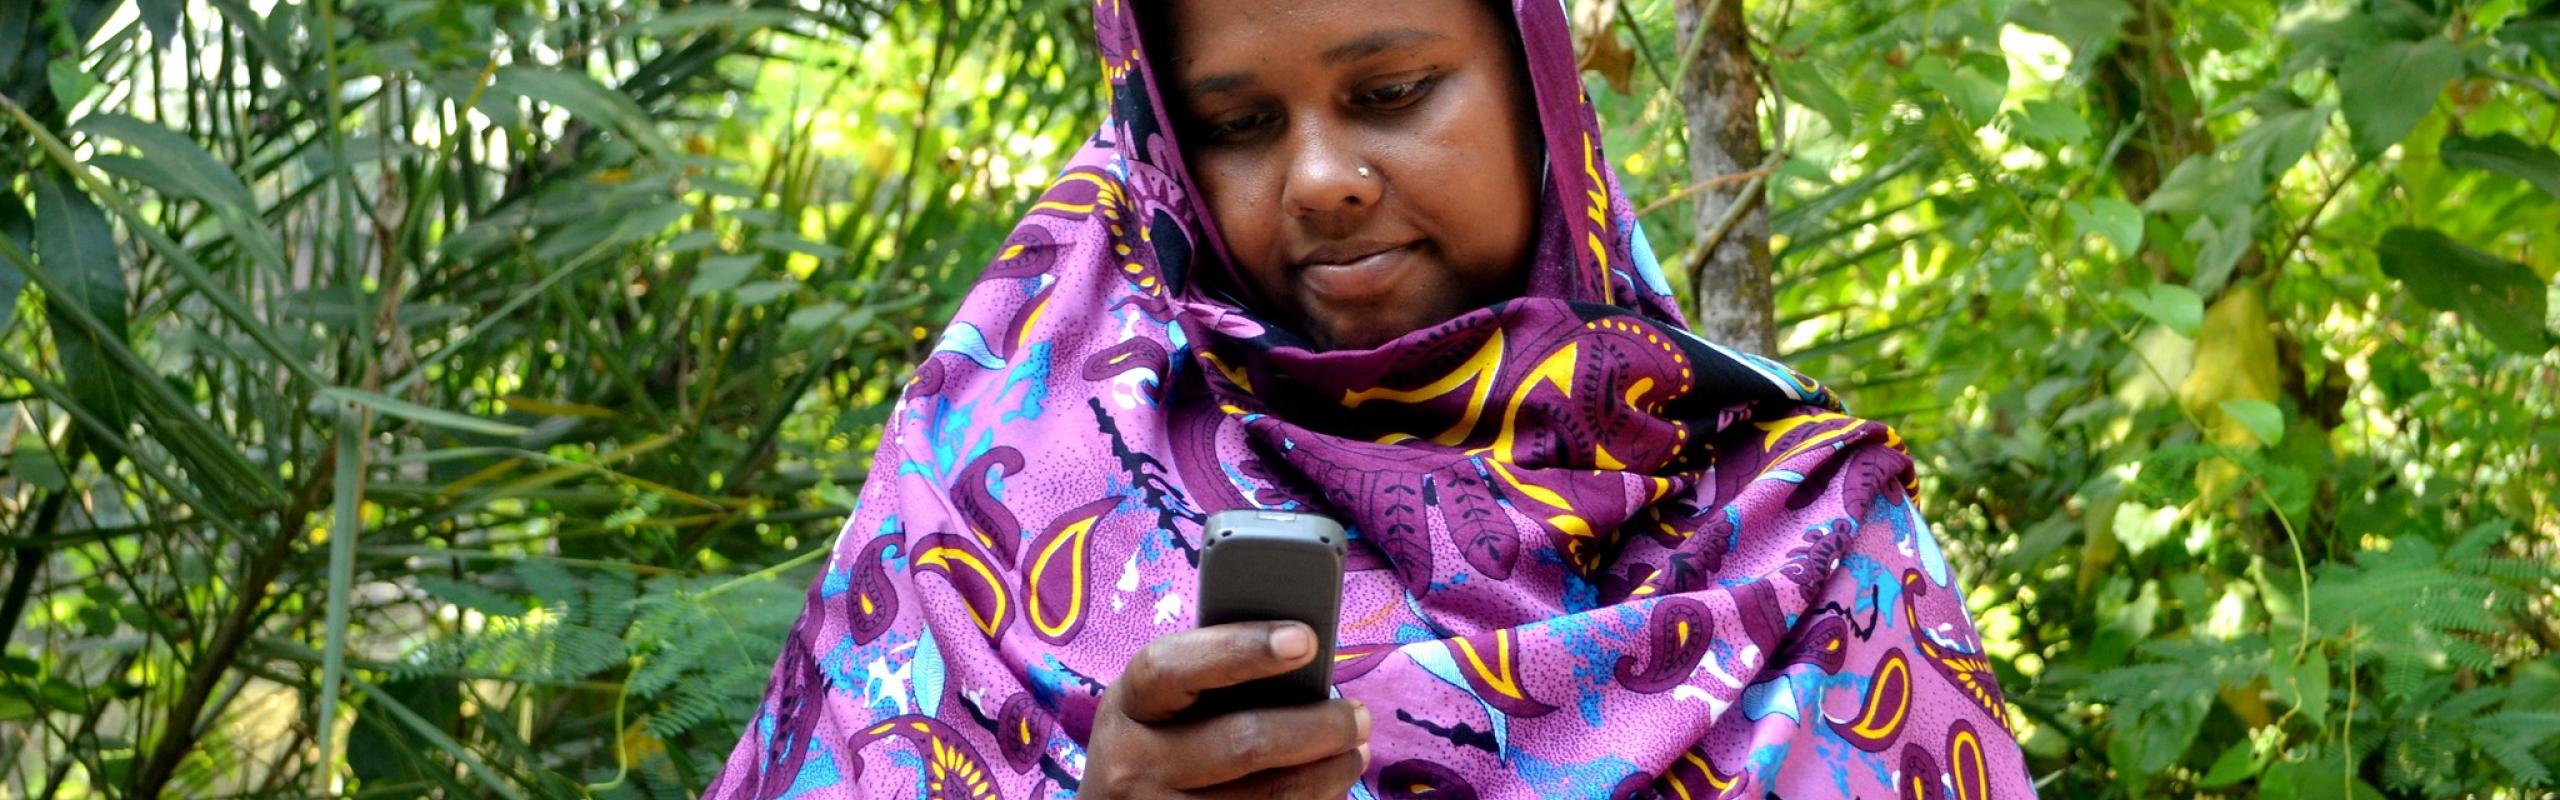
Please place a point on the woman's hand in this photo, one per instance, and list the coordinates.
(1140, 750)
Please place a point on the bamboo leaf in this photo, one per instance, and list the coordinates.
(184, 168)
(19, 230)
(417, 413)
(585, 99)
(77, 251)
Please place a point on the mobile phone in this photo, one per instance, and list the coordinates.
(1272, 565)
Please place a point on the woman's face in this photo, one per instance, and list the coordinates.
(1285, 104)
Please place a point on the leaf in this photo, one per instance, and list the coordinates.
(417, 413)
(706, 17)
(77, 252)
(784, 242)
(69, 83)
(185, 169)
(1800, 81)
(2051, 122)
(2078, 24)
(2219, 248)
(2237, 763)
(2176, 307)
(762, 292)
(585, 99)
(1975, 95)
(2197, 184)
(721, 273)
(2281, 137)
(2304, 686)
(2114, 219)
(161, 16)
(472, 596)
(2263, 419)
(2539, 35)
(2502, 299)
(19, 230)
(31, 463)
(2323, 778)
(2384, 91)
(812, 317)
(2505, 155)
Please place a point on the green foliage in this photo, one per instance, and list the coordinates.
(2223, 331)
(466, 388)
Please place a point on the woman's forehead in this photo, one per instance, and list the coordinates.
(1224, 35)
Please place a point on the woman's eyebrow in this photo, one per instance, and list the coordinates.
(1216, 84)
(1365, 46)
(1378, 42)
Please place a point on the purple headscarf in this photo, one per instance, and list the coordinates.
(1596, 555)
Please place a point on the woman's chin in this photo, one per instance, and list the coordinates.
(1363, 332)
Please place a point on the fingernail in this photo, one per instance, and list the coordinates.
(1360, 720)
(1291, 642)
(1364, 757)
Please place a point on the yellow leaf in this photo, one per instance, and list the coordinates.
(555, 408)
(639, 745)
(2235, 360)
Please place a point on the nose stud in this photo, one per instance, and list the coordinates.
(1364, 172)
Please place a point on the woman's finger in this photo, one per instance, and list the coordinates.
(1168, 675)
(1327, 779)
(1234, 746)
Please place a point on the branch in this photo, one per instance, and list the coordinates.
(1711, 183)
(180, 733)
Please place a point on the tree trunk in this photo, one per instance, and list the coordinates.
(1721, 96)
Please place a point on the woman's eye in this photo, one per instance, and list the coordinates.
(1399, 95)
(1236, 128)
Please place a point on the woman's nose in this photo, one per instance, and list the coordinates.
(1326, 176)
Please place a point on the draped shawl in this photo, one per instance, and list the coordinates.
(1594, 555)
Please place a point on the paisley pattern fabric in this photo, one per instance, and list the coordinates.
(1596, 555)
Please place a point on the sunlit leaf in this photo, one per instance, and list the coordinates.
(2173, 306)
(2263, 419)
(69, 83)
(2052, 122)
(1974, 94)
(2116, 220)
(1800, 82)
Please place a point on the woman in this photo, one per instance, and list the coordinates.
(1365, 259)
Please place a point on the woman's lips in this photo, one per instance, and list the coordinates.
(1366, 279)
